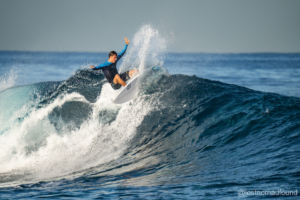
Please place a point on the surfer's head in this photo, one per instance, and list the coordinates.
(112, 57)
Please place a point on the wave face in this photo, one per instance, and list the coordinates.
(182, 137)
(180, 130)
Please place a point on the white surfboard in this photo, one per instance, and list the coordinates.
(128, 92)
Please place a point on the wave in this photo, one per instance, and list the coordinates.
(180, 129)
(73, 127)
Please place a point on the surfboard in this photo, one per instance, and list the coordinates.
(128, 92)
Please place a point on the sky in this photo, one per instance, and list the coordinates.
(211, 26)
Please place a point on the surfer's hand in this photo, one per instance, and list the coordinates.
(127, 41)
(92, 66)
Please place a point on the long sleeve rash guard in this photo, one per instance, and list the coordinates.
(110, 69)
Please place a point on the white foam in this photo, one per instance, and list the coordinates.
(17, 141)
(36, 148)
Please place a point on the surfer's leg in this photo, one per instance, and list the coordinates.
(118, 80)
(132, 72)
(125, 76)
(128, 74)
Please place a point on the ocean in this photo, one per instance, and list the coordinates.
(207, 126)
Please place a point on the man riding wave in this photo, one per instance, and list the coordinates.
(110, 71)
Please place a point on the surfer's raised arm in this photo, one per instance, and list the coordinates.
(123, 50)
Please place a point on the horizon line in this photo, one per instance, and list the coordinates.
(186, 52)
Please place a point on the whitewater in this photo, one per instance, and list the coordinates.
(205, 126)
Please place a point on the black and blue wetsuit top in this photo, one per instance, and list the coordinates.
(110, 69)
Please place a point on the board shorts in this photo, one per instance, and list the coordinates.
(124, 76)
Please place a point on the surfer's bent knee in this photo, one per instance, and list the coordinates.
(116, 79)
(117, 76)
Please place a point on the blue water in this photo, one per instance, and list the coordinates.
(206, 127)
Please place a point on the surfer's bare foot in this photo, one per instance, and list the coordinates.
(133, 72)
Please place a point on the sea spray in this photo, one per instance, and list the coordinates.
(146, 50)
(8, 80)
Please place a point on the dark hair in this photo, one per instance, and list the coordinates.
(112, 53)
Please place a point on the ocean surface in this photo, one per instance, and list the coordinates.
(208, 126)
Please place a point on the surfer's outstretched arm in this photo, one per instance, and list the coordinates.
(124, 49)
(100, 66)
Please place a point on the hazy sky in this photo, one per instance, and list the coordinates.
(188, 26)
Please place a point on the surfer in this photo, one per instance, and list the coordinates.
(110, 71)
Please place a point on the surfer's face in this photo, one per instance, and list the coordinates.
(113, 58)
